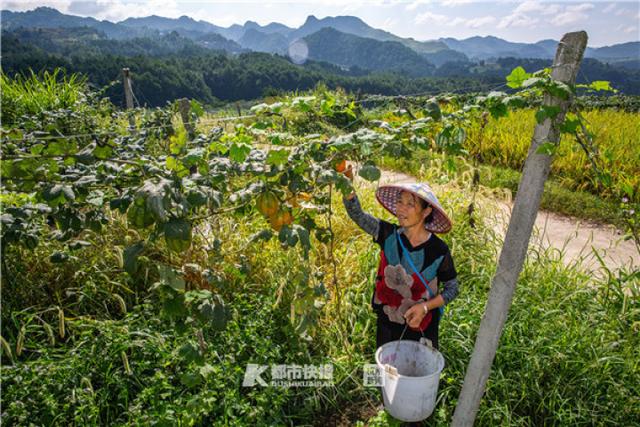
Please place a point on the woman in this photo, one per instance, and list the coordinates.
(413, 261)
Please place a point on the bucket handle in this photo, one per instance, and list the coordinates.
(427, 342)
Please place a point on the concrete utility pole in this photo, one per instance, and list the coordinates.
(128, 95)
(184, 105)
(514, 250)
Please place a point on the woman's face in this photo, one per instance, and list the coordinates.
(409, 210)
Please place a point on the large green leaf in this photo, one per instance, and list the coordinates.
(139, 216)
(130, 257)
(370, 172)
(170, 277)
(517, 77)
(177, 234)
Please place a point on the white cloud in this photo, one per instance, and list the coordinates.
(580, 7)
(518, 20)
(416, 3)
(529, 6)
(449, 21)
(610, 8)
(569, 17)
(457, 22)
(116, 10)
(430, 17)
(480, 22)
(631, 29)
(454, 3)
(536, 7)
(625, 12)
(524, 14)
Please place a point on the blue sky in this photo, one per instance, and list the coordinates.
(606, 22)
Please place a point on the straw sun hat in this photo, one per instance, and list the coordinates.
(388, 195)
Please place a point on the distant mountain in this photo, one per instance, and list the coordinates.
(619, 52)
(58, 40)
(271, 28)
(356, 26)
(46, 17)
(479, 48)
(165, 25)
(482, 48)
(444, 56)
(215, 41)
(348, 50)
(236, 32)
(190, 27)
(259, 41)
(68, 41)
(276, 37)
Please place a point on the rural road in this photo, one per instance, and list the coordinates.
(576, 238)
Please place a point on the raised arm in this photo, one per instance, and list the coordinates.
(369, 223)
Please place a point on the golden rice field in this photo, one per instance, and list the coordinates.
(505, 142)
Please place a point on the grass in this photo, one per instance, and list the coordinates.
(33, 94)
(568, 354)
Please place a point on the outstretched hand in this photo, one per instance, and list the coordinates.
(415, 314)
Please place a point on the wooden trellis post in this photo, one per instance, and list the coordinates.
(514, 250)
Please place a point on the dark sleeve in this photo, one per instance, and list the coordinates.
(446, 270)
(367, 222)
(385, 229)
(448, 277)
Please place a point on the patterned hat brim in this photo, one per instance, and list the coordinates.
(387, 196)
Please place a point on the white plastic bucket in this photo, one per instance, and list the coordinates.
(410, 373)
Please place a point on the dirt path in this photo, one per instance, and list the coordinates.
(575, 238)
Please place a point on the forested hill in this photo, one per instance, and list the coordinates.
(348, 50)
(173, 66)
(212, 77)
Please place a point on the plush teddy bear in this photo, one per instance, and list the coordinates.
(399, 281)
(393, 314)
(396, 277)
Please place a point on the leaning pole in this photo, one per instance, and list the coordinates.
(536, 170)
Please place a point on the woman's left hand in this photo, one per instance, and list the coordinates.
(415, 314)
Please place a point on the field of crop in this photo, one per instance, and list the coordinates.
(505, 142)
(142, 271)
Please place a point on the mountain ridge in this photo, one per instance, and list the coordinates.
(275, 37)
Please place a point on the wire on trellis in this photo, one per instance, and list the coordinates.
(82, 135)
(429, 93)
